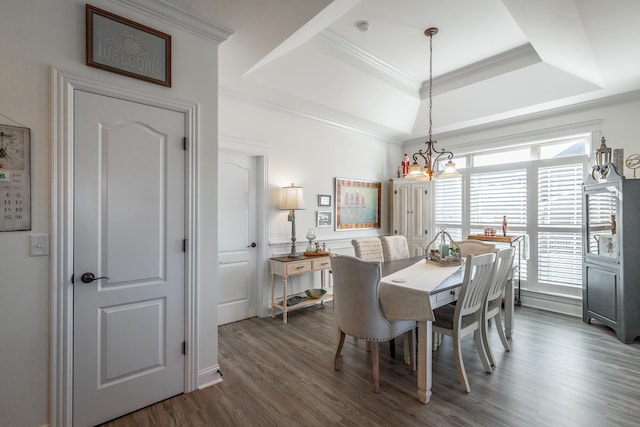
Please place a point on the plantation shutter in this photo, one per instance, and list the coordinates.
(559, 225)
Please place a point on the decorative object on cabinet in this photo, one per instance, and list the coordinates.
(324, 219)
(292, 200)
(122, 46)
(15, 178)
(357, 204)
(324, 200)
(409, 213)
(633, 163)
(611, 225)
(311, 236)
(431, 164)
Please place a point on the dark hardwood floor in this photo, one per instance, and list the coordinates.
(560, 372)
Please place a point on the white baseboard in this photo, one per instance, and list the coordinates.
(554, 303)
(208, 377)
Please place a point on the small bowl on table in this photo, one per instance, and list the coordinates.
(315, 293)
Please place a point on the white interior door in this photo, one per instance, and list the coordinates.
(237, 227)
(129, 226)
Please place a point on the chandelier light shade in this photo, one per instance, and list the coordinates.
(292, 200)
(427, 172)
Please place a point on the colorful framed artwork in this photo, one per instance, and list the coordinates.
(324, 219)
(357, 204)
(116, 44)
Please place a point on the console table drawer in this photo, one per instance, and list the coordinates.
(298, 267)
(320, 264)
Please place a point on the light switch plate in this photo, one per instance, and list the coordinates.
(39, 244)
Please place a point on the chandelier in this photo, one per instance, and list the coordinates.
(427, 171)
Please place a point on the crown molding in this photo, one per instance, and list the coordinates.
(172, 15)
(225, 92)
(334, 39)
(496, 65)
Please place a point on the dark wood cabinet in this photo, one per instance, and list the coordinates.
(611, 239)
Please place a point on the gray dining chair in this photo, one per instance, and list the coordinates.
(493, 301)
(368, 248)
(394, 247)
(357, 309)
(465, 316)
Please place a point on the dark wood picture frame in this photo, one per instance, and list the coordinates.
(125, 47)
(324, 200)
(357, 204)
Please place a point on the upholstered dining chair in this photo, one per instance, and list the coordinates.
(474, 247)
(493, 301)
(368, 248)
(394, 247)
(465, 316)
(357, 309)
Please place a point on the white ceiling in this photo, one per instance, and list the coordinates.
(492, 60)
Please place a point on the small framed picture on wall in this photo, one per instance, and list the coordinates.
(324, 200)
(324, 219)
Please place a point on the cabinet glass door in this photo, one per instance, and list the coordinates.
(602, 213)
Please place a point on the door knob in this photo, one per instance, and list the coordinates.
(253, 245)
(90, 277)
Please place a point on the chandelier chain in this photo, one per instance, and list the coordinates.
(430, 82)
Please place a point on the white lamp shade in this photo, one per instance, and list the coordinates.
(292, 198)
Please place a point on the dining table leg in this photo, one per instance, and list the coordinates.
(424, 361)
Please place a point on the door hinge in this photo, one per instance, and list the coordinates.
(184, 143)
(184, 245)
(184, 348)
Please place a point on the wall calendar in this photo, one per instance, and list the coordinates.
(15, 178)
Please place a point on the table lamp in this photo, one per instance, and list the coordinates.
(292, 200)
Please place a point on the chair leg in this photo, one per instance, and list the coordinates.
(480, 345)
(376, 366)
(392, 348)
(462, 375)
(503, 336)
(336, 359)
(413, 341)
(485, 341)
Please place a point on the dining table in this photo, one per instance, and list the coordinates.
(410, 289)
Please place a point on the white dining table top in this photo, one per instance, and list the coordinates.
(406, 294)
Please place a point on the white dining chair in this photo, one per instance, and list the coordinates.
(395, 247)
(493, 302)
(465, 316)
(368, 248)
(357, 309)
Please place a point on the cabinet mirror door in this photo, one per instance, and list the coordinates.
(601, 206)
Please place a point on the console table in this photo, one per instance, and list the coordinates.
(286, 267)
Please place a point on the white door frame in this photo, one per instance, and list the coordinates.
(61, 258)
(261, 152)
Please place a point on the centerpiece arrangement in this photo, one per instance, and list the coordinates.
(443, 250)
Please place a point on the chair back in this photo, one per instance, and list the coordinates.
(503, 267)
(478, 274)
(357, 307)
(368, 248)
(394, 247)
(474, 247)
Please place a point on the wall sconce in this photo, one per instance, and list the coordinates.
(292, 200)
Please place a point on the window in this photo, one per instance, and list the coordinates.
(560, 225)
(538, 188)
